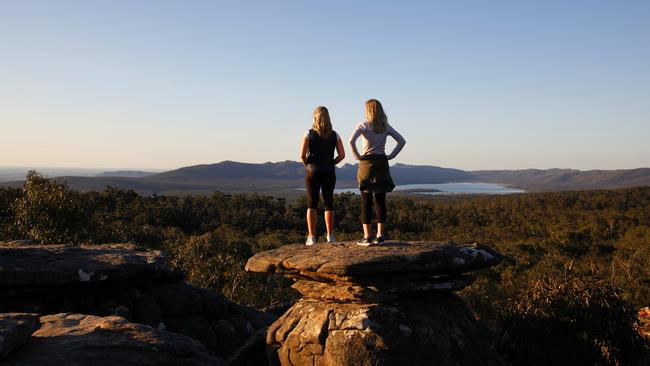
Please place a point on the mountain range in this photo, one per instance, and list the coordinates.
(269, 178)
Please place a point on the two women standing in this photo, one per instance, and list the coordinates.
(373, 176)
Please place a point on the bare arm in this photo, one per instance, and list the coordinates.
(400, 142)
(353, 142)
(304, 149)
(340, 152)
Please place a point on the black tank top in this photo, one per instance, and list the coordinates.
(321, 152)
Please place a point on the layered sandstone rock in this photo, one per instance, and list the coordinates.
(79, 340)
(381, 305)
(29, 264)
(121, 280)
(15, 330)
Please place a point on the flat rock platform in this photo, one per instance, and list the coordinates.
(347, 259)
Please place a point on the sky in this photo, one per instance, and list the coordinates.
(469, 84)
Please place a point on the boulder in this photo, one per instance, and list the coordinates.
(231, 333)
(195, 326)
(144, 308)
(79, 340)
(121, 280)
(391, 304)
(252, 352)
(215, 305)
(68, 264)
(178, 299)
(435, 330)
(15, 330)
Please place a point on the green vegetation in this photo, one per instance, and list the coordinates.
(562, 319)
(578, 262)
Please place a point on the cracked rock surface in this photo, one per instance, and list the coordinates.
(436, 330)
(29, 264)
(15, 329)
(122, 280)
(391, 304)
(76, 340)
(346, 259)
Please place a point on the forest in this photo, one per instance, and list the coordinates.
(577, 263)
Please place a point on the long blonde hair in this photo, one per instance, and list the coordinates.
(376, 116)
(322, 123)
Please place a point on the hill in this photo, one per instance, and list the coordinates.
(292, 170)
(281, 178)
(566, 179)
(125, 174)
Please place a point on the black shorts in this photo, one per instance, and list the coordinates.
(320, 181)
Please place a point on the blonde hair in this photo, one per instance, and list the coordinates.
(322, 123)
(376, 116)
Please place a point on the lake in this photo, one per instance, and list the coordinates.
(449, 188)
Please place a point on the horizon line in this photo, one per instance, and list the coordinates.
(162, 170)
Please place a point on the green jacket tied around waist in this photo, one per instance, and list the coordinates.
(374, 174)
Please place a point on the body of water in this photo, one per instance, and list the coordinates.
(449, 188)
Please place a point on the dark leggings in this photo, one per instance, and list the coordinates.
(366, 207)
(317, 181)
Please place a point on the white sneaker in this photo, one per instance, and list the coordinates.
(311, 240)
(330, 238)
(365, 242)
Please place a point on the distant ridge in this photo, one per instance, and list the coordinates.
(284, 176)
(233, 170)
(293, 170)
(126, 174)
(566, 179)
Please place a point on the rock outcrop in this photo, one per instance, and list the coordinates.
(80, 340)
(15, 330)
(45, 265)
(120, 280)
(381, 305)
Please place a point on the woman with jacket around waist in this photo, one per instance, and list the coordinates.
(374, 175)
(317, 153)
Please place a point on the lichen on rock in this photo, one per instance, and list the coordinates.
(122, 280)
(77, 339)
(386, 305)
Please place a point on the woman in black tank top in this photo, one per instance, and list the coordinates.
(317, 153)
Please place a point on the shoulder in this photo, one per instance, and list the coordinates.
(363, 125)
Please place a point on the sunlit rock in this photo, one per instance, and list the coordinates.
(380, 305)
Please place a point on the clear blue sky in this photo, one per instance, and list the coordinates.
(470, 84)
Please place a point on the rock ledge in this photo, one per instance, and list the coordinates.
(68, 264)
(380, 305)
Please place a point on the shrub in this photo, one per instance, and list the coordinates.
(7, 213)
(50, 212)
(565, 320)
(216, 260)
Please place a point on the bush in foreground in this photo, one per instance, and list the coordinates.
(566, 320)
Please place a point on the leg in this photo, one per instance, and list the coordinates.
(381, 230)
(380, 209)
(311, 184)
(311, 221)
(366, 212)
(366, 231)
(329, 181)
(329, 222)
